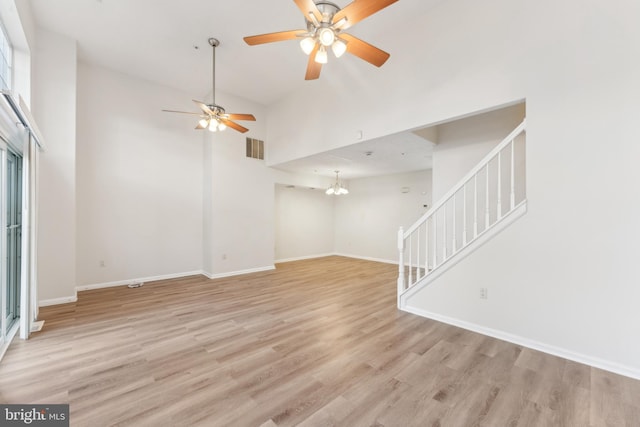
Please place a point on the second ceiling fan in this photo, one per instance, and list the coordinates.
(325, 25)
(213, 116)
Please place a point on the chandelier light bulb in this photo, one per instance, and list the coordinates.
(326, 36)
(213, 125)
(339, 48)
(203, 123)
(307, 44)
(222, 126)
(321, 55)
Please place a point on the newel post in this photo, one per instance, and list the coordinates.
(400, 263)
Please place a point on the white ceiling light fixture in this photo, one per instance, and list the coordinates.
(323, 34)
(326, 36)
(321, 55)
(337, 189)
(339, 48)
(307, 44)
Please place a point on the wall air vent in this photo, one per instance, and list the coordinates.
(255, 148)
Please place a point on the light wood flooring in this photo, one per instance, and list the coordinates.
(313, 343)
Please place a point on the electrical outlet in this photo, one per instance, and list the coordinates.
(101, 263)
(224, 257)
(484, 293)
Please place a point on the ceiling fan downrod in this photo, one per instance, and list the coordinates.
(214, 43)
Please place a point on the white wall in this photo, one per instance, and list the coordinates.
(576, 63)
(54, 90)
(304, 222)
(139, 180)
(362, 224)
(239, 209)
(239, 196)
(368, 218)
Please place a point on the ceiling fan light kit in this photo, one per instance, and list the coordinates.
(325, 23)
(324, 34)
(213, 116)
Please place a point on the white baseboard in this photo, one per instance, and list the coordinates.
(74, 298)
(302, 258)
(595, 362)
(366, 258)
(57, 301)
(238, 273)
(66, 300)
(138, 280)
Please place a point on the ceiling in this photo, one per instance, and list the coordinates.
(156, 40)
(397, 153)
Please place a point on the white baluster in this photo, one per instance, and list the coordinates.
(513, 176)
(475, 206)
(453, 226)
(499, 213)
(410, 283)
(486, 191)
(400, 263)
(464, 215)
(444, 232)
(435, 239)
(418, 255)
(426, 246)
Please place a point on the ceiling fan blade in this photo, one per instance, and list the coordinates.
(235, 116)
(313, 68)
(203, 107)
(273, 37)
(182, 112)
(307, 6)
(364, 50)
(358, 10)
(233, 125)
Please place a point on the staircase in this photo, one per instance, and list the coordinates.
(489, 198)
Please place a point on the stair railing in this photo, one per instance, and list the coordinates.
(486, 195)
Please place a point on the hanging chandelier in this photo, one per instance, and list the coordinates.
(336, 189)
